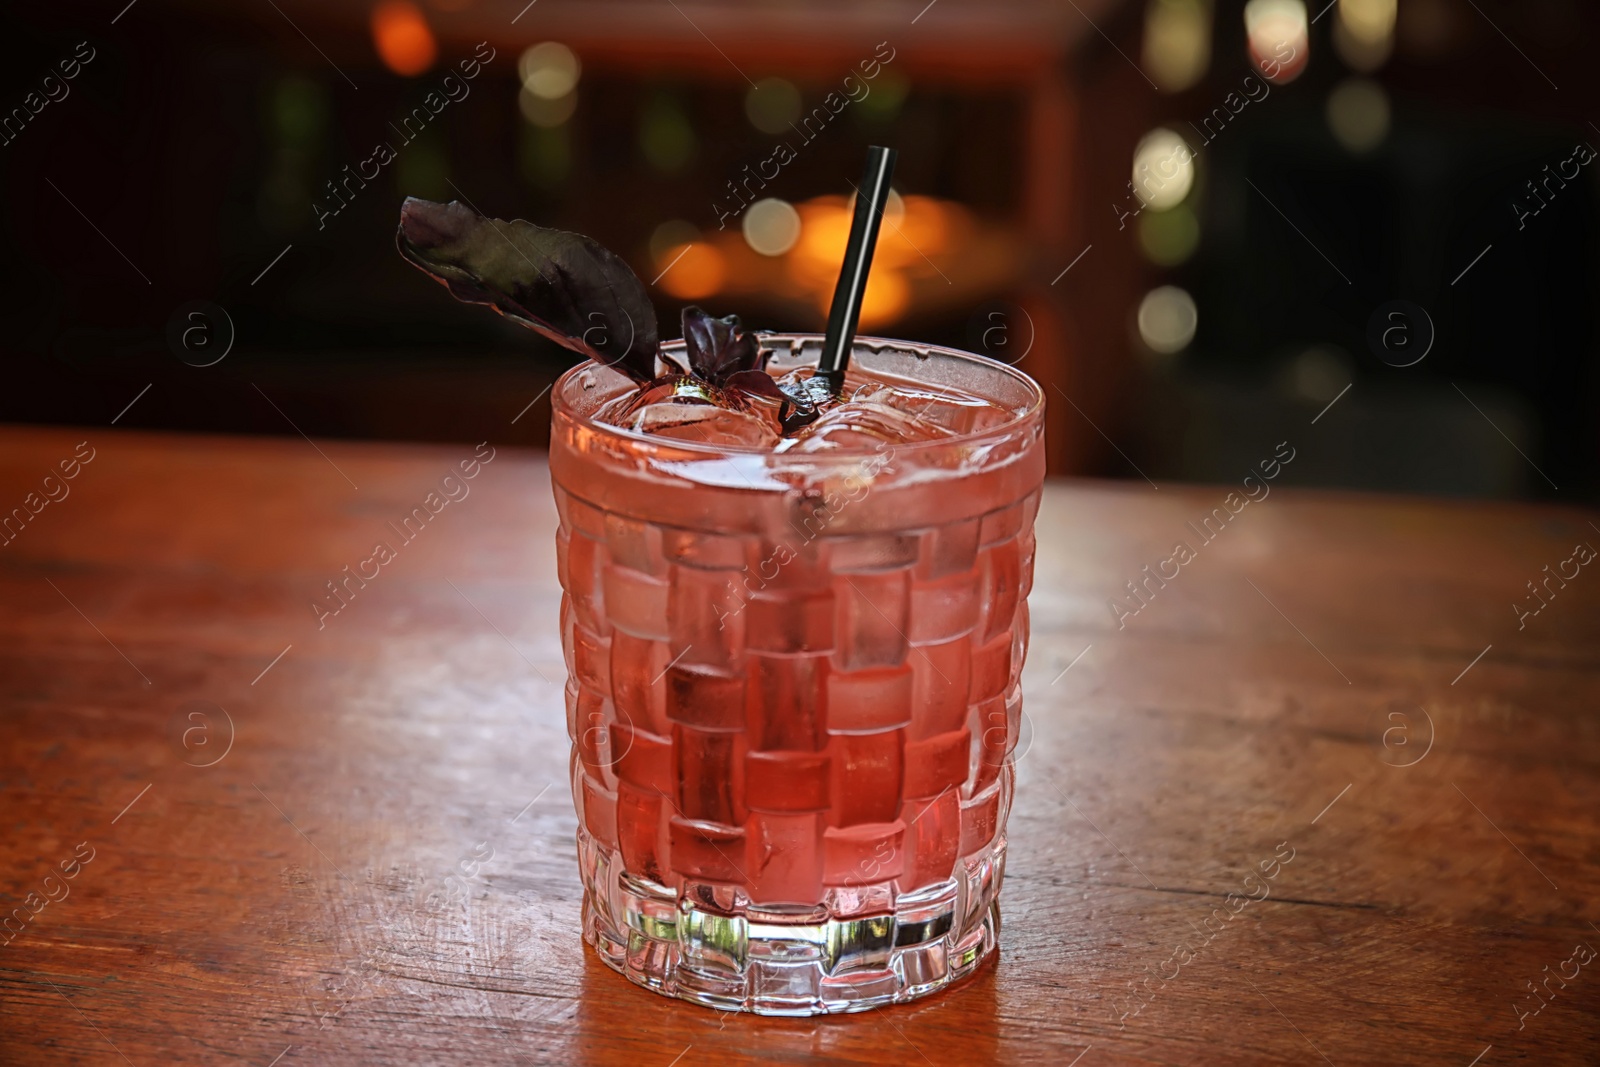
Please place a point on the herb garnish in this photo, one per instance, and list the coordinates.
(581, 295)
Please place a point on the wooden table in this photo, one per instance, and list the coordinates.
(260, 817)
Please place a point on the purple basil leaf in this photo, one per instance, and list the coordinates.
(570, 289)
(718, 348)
(757, 382)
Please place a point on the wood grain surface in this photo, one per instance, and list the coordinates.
(1320, 800)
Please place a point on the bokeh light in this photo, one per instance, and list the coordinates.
(1177, 42)
(894, 210)
(402, 38)
(913, 227)
(1277, 33)
(918, 230)
(1317, 375)
(771, 226)
(1168, 238)
(887, 296)
(772, 104)
(825, 227)
(1167, 319)
(299, 110)
(1363, 34)
(1163, 169)
(1368, 20)
(1358, 114)
(670, 236)
(542, 111)
(549, 70)
(693, 271)
(886, 98)
(423, 169)
(925, 226)
(666, 136)
(544, 155)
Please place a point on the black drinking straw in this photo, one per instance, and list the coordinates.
(845, 313)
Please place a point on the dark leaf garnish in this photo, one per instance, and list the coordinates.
(718, 348)
(582, 296)
(756, 382)
(569, 288)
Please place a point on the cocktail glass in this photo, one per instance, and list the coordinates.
(793, 692)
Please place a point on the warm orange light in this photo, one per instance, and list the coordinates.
(886, 299)
(824, 230)
(915, 229)
(923, 227)
(693, 271)
(402, 37)
(926, 226)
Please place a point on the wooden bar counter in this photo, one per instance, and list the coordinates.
(1327, 790)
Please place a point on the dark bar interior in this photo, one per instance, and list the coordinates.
(251, 157)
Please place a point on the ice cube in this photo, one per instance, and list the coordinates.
(957, 412)
(871, 415)
(864, 426)
(766, 411)
(706, 424)
(623, 410)
(687, 409)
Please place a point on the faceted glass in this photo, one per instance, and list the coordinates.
(793, 692)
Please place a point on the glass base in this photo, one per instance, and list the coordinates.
(863, 947)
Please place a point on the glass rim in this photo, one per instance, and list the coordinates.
(1029, 413)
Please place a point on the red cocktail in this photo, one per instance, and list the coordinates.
(793, 675)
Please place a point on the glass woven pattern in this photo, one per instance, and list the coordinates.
(792, 797)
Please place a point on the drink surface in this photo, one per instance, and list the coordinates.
(793, 685)
(873, 410)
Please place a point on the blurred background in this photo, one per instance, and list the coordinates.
(1366, 227)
